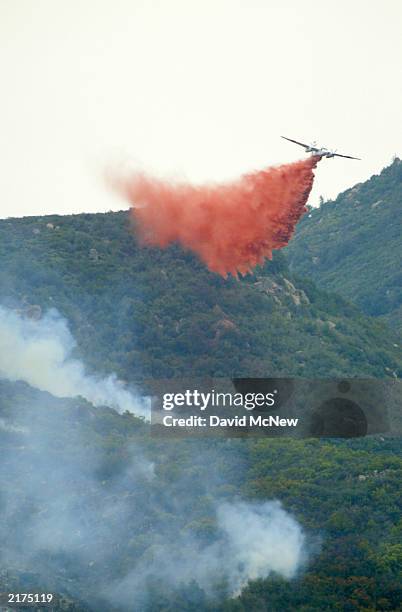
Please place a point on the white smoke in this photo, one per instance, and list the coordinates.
(261, 539)
(253, 540)
(94, 521)
(4, 426)
(39, 352)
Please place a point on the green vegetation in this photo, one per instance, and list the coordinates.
(344, 494)
(353, 245)
(153, 313)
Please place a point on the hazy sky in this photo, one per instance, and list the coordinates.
(194, 89)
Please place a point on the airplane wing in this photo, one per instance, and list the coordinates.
(296, 142)
(347, 156)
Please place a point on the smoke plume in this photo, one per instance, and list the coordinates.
(103, 519)
(40, 354)
(252, 541)
(232, 227)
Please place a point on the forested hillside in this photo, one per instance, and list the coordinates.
(147, 312)
(107, 517)
(353, 245)
(89, 498)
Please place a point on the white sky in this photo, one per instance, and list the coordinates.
(194, 89)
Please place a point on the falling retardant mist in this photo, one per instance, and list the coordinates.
(232, 227)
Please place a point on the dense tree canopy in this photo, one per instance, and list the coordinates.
(148, 312)
(160, 313)
(353, 245)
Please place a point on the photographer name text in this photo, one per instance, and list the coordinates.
(237, 421)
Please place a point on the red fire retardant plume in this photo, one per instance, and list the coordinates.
(231, 227)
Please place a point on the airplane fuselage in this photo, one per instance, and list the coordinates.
(319, 152)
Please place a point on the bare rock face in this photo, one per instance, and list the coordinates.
(267, 286)
(93, 255)
(223, 326)
(226, 324)
(298, 296)
(278, 291)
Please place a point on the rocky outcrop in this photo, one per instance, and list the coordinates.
(223, 326)
(280, 291)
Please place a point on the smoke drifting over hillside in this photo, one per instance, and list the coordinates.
(107, 526)
(252, 540)
(40, 354)
(232, 227)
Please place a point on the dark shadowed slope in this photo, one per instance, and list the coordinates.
(353, 245)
